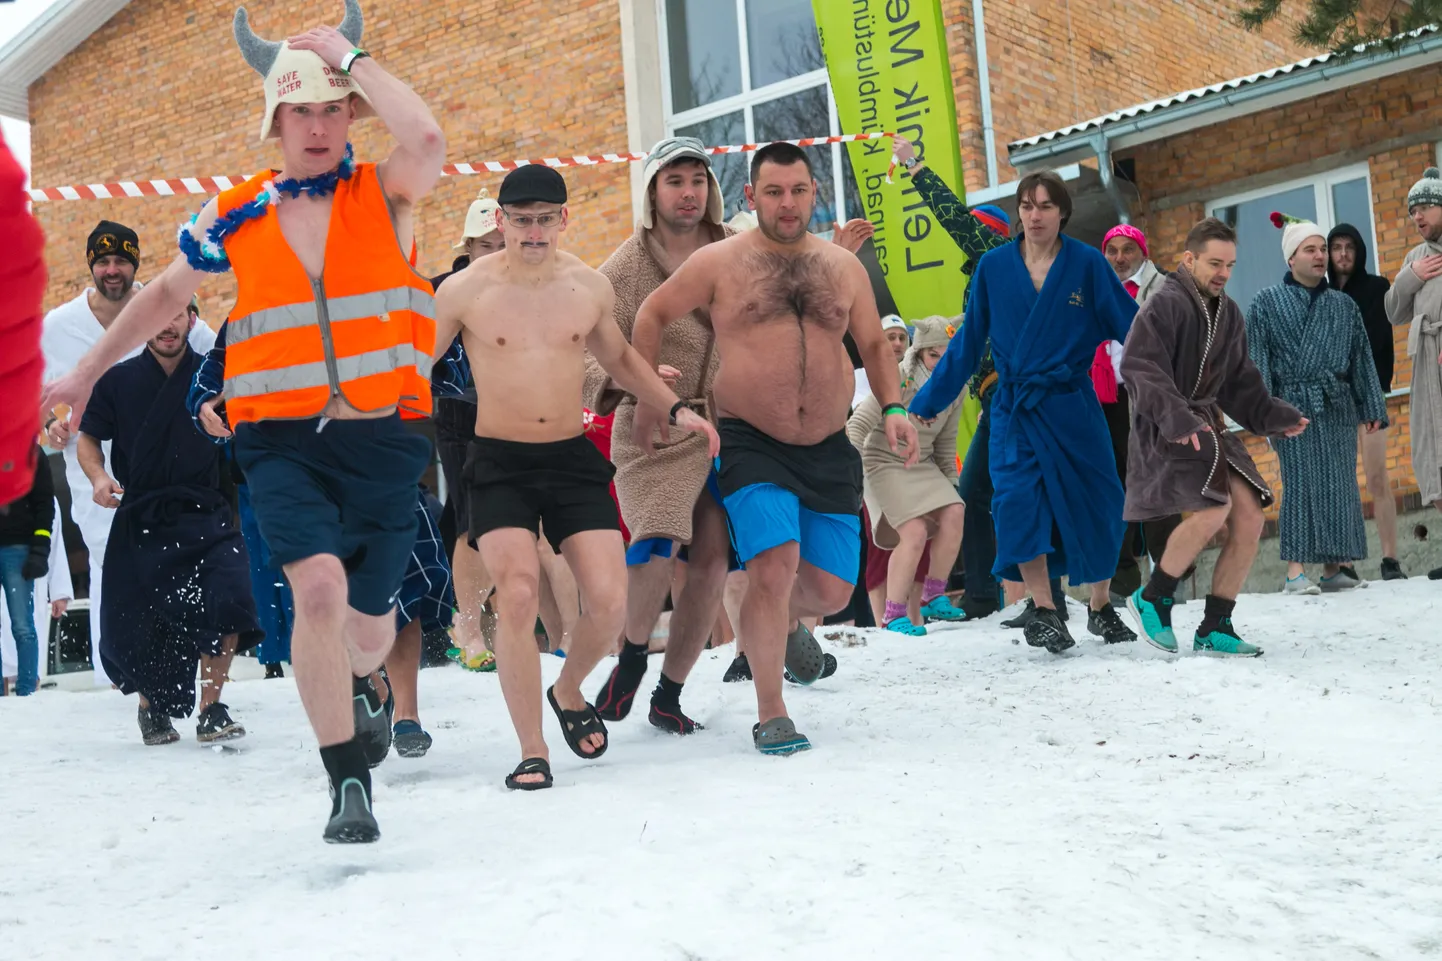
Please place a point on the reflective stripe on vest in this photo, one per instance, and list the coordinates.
(291, 316)
(301, 376)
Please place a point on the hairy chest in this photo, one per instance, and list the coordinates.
(772, 290)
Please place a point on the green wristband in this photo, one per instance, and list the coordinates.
(890, 409)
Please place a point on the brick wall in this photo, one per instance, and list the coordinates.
(1204, 162)
(161, 90)
(1057, 62)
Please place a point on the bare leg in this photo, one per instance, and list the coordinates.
(1244, 535)
(1034, 576)
(647, 586)
(330, 644)
(877, 597)
(732, 600)
(1013, 591)
(1191, 536)
(1330, 570)
(1101, 594)
(215, 670)
(564, 595)
(472, 585)
(913, 603)
(901, 571)
(510, 555)
(404, 667)
(695, 609)
(1379, 487)
(946, 541)
(766, 619)
(598, 560)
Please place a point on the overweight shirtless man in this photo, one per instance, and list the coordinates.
(526, 318)
(780, 301)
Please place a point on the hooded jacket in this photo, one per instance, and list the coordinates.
(1370, 292)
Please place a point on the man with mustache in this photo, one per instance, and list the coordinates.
(113, 253)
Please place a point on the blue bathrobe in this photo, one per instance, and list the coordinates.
(1057, 491)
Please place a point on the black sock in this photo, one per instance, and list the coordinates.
(1159, 585)
(667, 693)
(344, 761)
(1218, 609)
(634, 655)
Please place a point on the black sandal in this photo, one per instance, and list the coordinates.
(577, 725)
(531, 765)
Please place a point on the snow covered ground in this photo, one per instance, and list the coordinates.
(967, 798)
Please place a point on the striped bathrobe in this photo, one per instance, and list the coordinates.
(1312, 350)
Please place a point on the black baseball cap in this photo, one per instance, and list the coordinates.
(532, 184)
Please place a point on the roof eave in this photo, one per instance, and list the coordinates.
(44, 43)
(1218, 107)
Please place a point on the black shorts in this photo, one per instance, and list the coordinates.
(564, 486)
(347, 489)
(455, 422)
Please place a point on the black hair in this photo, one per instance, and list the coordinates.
(782, 153)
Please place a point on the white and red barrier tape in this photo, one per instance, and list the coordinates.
(176, 186)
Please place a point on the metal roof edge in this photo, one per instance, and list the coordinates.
(45, 42)
(1168, 116)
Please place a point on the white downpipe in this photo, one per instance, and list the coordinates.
(983, 79)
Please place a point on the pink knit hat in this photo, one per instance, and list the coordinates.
(1129, 232)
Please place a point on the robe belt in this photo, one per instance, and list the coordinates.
(1027, 393)
(1422, 326)
(1317, 393)
(156, 510)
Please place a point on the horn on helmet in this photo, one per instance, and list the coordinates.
(260, 54)
(353, 24)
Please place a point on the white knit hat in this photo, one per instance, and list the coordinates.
(1427, 191)
(300, 76)
(1294, 231)
(480, 219)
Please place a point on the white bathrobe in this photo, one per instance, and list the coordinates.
(52, 587)
(70, 331)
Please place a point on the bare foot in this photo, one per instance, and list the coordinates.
(576, 701)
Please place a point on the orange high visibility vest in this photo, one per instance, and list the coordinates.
(365, 331)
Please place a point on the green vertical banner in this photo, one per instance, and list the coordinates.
(889, 70)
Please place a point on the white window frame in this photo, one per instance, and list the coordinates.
(1322, 192)
(748, 99)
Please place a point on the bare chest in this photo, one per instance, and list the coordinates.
(1038, 272)
(509, 321)
(771, 291)
(305, 224)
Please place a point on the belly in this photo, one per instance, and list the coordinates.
(797, 395)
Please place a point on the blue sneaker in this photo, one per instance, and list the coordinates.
(940, 608)
(1224, 642)
(410, 739)
(1155, 619)
(903, 625)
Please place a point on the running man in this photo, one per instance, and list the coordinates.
(330, 336)
(527, 317)
(780, 302)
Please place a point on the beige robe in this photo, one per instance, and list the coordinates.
(1410, 301)
(895, 493)
(657, 493)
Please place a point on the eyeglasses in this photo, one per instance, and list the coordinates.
(529, 220)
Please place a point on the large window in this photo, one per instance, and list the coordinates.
(748, 71)
(1340, 197)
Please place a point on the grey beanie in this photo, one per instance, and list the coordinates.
(1428, 190)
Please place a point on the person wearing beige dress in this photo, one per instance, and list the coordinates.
(910, 506)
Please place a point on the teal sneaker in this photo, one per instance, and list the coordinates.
(903, 625)
(1224, 642)
(940, 608)
(1155, 619)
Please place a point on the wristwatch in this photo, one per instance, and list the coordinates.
(676, 408)
(349, 59)
(910, 162)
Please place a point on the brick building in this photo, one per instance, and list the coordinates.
(150, 88)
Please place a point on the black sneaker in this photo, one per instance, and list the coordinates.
(1392, 570)
(372, 725)
(1029, 612)
(1435, 574)
(671, 719)
(1047, 630)
(215, 724)
(273, 671)
(1108, 625)
(740, 670)
(351, 820)
(155, 727)
(410, 739)
(614, 701)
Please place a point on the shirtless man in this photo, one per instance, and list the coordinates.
(332, 472)
(780, 301)
(527, 317)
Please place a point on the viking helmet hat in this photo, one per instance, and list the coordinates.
(300, 76)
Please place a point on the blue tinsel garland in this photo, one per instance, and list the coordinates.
(209, 255)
